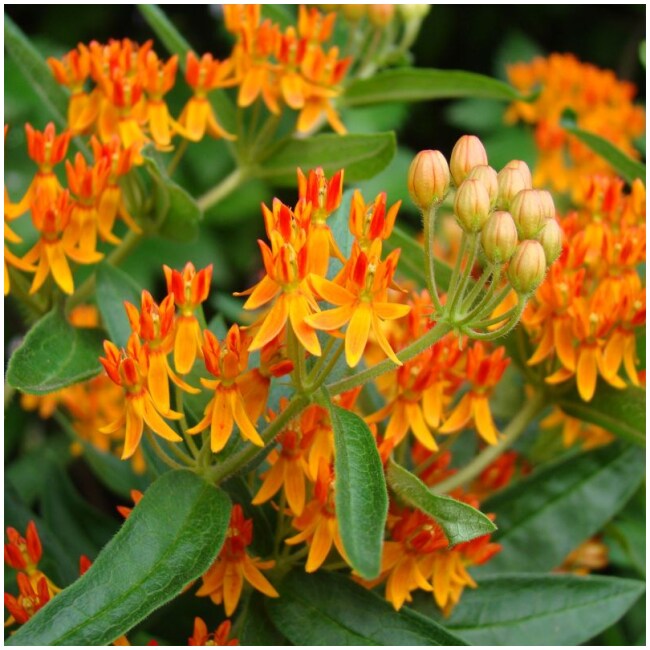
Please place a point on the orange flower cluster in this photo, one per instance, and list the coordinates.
(291, 67)
(601, 102)
(35, 589)
(69, 221)
(224, 580)
(584, 318)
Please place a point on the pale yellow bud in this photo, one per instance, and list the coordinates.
(488, 177)
(511, 181)
(551, 240)
(527, 267)
(529, 209)
(468, 152)
(381, 15)
(428, 178)
(523, 168)
(499, 237)
(412, 12)
(472, 205)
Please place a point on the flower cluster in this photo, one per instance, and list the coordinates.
(583, 319)
(602, 104)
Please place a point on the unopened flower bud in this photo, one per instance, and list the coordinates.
(529, 209)
(488, 177)
(499, 237)
(548, 206)
(353, 13)
(428, 179)
(511, 181)
(527, 267)
(551, 240)
(523, 168)
(468, 152)
(413, 12)
(472, 205)
(381, 15)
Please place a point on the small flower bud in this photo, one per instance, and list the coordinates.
(381, 15)
(527, 267)
(428, 179)
(551, 240)
(529, 209)
(548, 206)
(472, 205)
(499, 237)
(511, 181)
(523, 168)
(414, 12)
(488, 177)
(468, 152)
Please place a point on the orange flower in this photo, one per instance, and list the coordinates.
(57, 243)
(288, 466)
(190, 289)
(204, 75)
(227, 363)
(23, 553)
(125, 511)
(371, 221)
(10, 236)
(483, 372)
(31, 598)
(317, 523)
(128, 369)
(224, 580)
(218, 637)
(362, 303)
(159, 79)
(154, 325)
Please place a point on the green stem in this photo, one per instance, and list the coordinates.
(497, 319)
(502, 331)
(429, 222)
(228, 185)
(455, 274)
(161, 454)
(490, 270)
(440, 329)
(315, 371)
(231, 464)
(457, 297)
(178, 156)
(320, 379)
(510, 435)
(279, 529)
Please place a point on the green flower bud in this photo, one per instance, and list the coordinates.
(510, 181)
(527, 267)
(472, 205)
(488, 177)
(468, 152)
(428, 179)
(529, 209)
(413, 12)
(551, 240)
(499, 237)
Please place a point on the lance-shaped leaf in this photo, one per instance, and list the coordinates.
(170, 539)
(627, 167)
(545, 516)
(536, 609)
(112, 289)
(459, 521)
(361, 497)
(622, 412)
(55, 354)
(329, 609)
(36, 71)
(362, 156)
(417, 85)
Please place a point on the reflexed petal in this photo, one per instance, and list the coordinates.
(294, 487)
(233, 582)
(134, 427)
(390, 310)
(460, 416)
(42, 271)
(320, 546)
(356, 335)
(332, 319)
(264, 291)
(186, 344)
(331, 291)
(563, 338)
(483, 419)
(419, 427)
(587, 373)
(257, 579)
(157, 381)
(222, 421)
(251, 87)
(246, 427)
(273, 322)
(383, 341)
(271, 484)
(60, 267)
(157, 424)
(298, 311)
(292, 90)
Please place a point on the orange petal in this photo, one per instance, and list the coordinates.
(222, 421)
(265, 290)
(186, 344)
(383, 341)
(419, 427)
(60, 267)
(390, 310)
(246, 427)
(331, 291)
(233, 583)
(271, 484)
(320, 547)
(273, 322)
(298, 311)
(460, 416)
(294, 487)
(356, 335)
(157, 381)
(257, 579)
(157, 424)
(134, 427)
(587, 373)
(483, 419)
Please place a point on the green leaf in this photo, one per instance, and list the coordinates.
(170, 539)
(54, 354)
(113, 288)
(622, 412)
(361, 497)
(545, 516)
(280, 14)
(417, 85)
(627, 167)
(256, 628)
(411, 260)
(181, 221)
(537, 609)
(165, 30)
(362, 156)
(329, 609)
(39, 75)
(458, 520)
